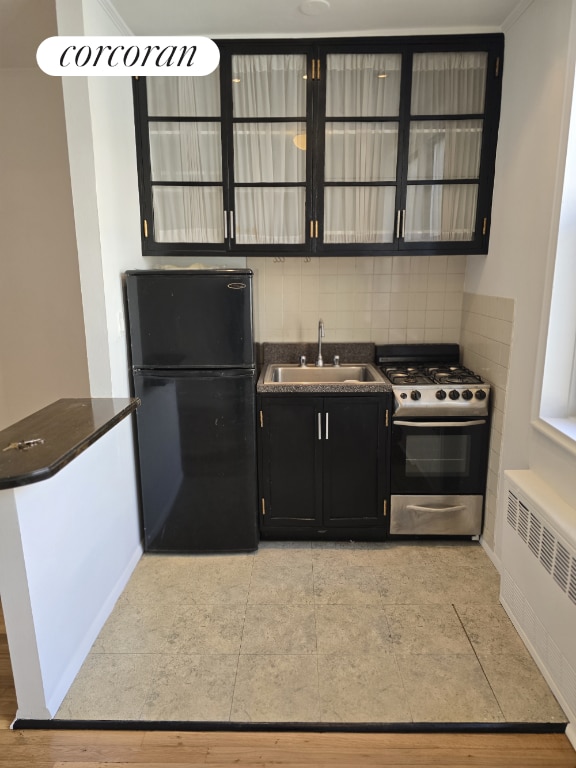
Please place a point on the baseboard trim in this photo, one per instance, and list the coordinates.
(178, 725)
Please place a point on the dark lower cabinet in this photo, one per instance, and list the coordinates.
(323, 466)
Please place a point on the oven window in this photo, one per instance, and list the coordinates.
(437, 455)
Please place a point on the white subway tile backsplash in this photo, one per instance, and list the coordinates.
(486, 335)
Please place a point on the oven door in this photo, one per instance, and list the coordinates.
(439, 457)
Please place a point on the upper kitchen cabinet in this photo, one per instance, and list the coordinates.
(372, 145)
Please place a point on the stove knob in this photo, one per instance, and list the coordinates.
(480, 394)
(415, 395)
(467, 395)
(454, 394)
(403, 395)
(441, 395)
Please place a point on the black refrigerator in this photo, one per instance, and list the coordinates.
(194, 371)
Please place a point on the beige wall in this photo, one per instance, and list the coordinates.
(42, 346)
(383, 299)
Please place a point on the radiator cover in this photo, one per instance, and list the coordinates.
(538, 588)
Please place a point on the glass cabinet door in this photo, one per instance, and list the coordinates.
(361, 147)
(269, 128)
(445, 142)
(184, 134)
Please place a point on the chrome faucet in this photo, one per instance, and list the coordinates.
(321, 334)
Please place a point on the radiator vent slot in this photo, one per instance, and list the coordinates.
(512, 510)
(523, 521)
(561, 566)
(535, 535)
(547, 551)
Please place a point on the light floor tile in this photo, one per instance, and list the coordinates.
(278, 629)
(286, 553)
(160, 580)
(458, 553)
(489, 629)
(362, 689)
(342, 553)
(191, 687)
(221, 585)
(276, 689)
(398, 553)
(352, 629)
(281, 584)
(110, 687)
(206, 629)
(435, 629)
(448, 689)
(346, 585)
(522, 692)
(136, 628)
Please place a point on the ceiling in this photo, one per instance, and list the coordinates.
(242, 18)
(25, 23)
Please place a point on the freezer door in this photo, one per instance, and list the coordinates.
(196, 441)
(190, 319)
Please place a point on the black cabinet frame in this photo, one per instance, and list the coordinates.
(313, 241)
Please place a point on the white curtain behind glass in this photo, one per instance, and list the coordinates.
(445, 84)
(269, 86)
(186, 151)
(448, 83)
(361, 85)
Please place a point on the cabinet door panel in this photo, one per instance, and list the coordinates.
(449, 83)
(363, 84)
(188, 214)
(352, 461)
(291, 462)
(185, 151)
(184, 96)
(441, 212)
(359, 214)
(445, 149)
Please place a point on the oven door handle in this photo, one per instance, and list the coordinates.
(426, 424)
(416, 508)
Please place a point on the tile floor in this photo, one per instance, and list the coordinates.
(321, 633)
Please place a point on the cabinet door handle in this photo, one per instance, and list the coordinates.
(319, 426)
(225, 225)
(326, 426)
(232, 228)
(403, 228)
(398, 213)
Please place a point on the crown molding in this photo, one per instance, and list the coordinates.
(110, 10)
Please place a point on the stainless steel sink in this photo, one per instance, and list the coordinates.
(328, 374)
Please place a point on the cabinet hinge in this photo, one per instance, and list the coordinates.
(145, 228)
(261, 420)
(385, 508)
(497, 67)
(484, 225)
(263, 506)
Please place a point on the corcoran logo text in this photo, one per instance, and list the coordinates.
(121, 56)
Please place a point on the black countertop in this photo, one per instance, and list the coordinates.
(66, 428)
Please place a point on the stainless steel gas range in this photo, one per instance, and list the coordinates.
(439, 443)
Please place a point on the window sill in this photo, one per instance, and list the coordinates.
(560, 430)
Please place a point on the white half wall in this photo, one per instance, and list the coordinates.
(68, 546)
